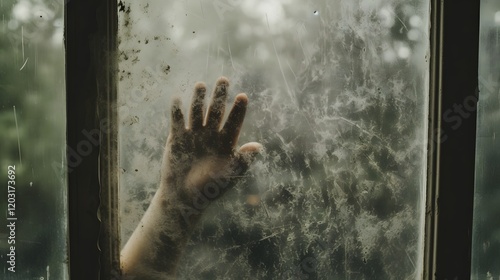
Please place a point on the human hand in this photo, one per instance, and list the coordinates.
(202, 161)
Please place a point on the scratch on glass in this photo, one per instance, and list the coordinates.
(230, 54)
(22, 40)
(290, 67)
(24, 64)
(202, 11)
(279, 63)
(22, 46)
(18, 142)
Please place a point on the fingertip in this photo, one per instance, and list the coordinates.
(248, 153)
(200, 87)
(241, 99)
(223, 81)
(177, 116)
(252, 147)
(176, 103)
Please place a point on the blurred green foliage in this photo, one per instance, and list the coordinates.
(32, 92)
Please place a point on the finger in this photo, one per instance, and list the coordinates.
(246, 155)
(239, 164)
(196, 114)
(232, 127)
(215, 112)
(177, 121)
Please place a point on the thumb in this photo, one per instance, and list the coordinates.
(245, 155)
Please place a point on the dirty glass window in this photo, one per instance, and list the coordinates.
(486, 237)
(33, 234)
(338, 98)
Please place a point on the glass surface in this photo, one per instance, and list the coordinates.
(338, 97)
(33, 231)
(486, 231)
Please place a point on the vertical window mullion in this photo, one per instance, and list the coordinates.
(454, 94)
(90, 41)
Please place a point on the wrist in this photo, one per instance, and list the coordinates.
(155, 247)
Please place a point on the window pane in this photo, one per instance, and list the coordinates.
(338, 97)
(486, 237)
(33, 235)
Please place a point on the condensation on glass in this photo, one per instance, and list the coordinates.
(33, 232)
(338, 96)
(486, 231)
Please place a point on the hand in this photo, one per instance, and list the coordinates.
(200, 163)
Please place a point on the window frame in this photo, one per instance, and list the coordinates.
(91, 47)
(91, 42)
(451, 154)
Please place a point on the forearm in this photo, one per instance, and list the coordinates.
(200, 163)
(154, 249)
